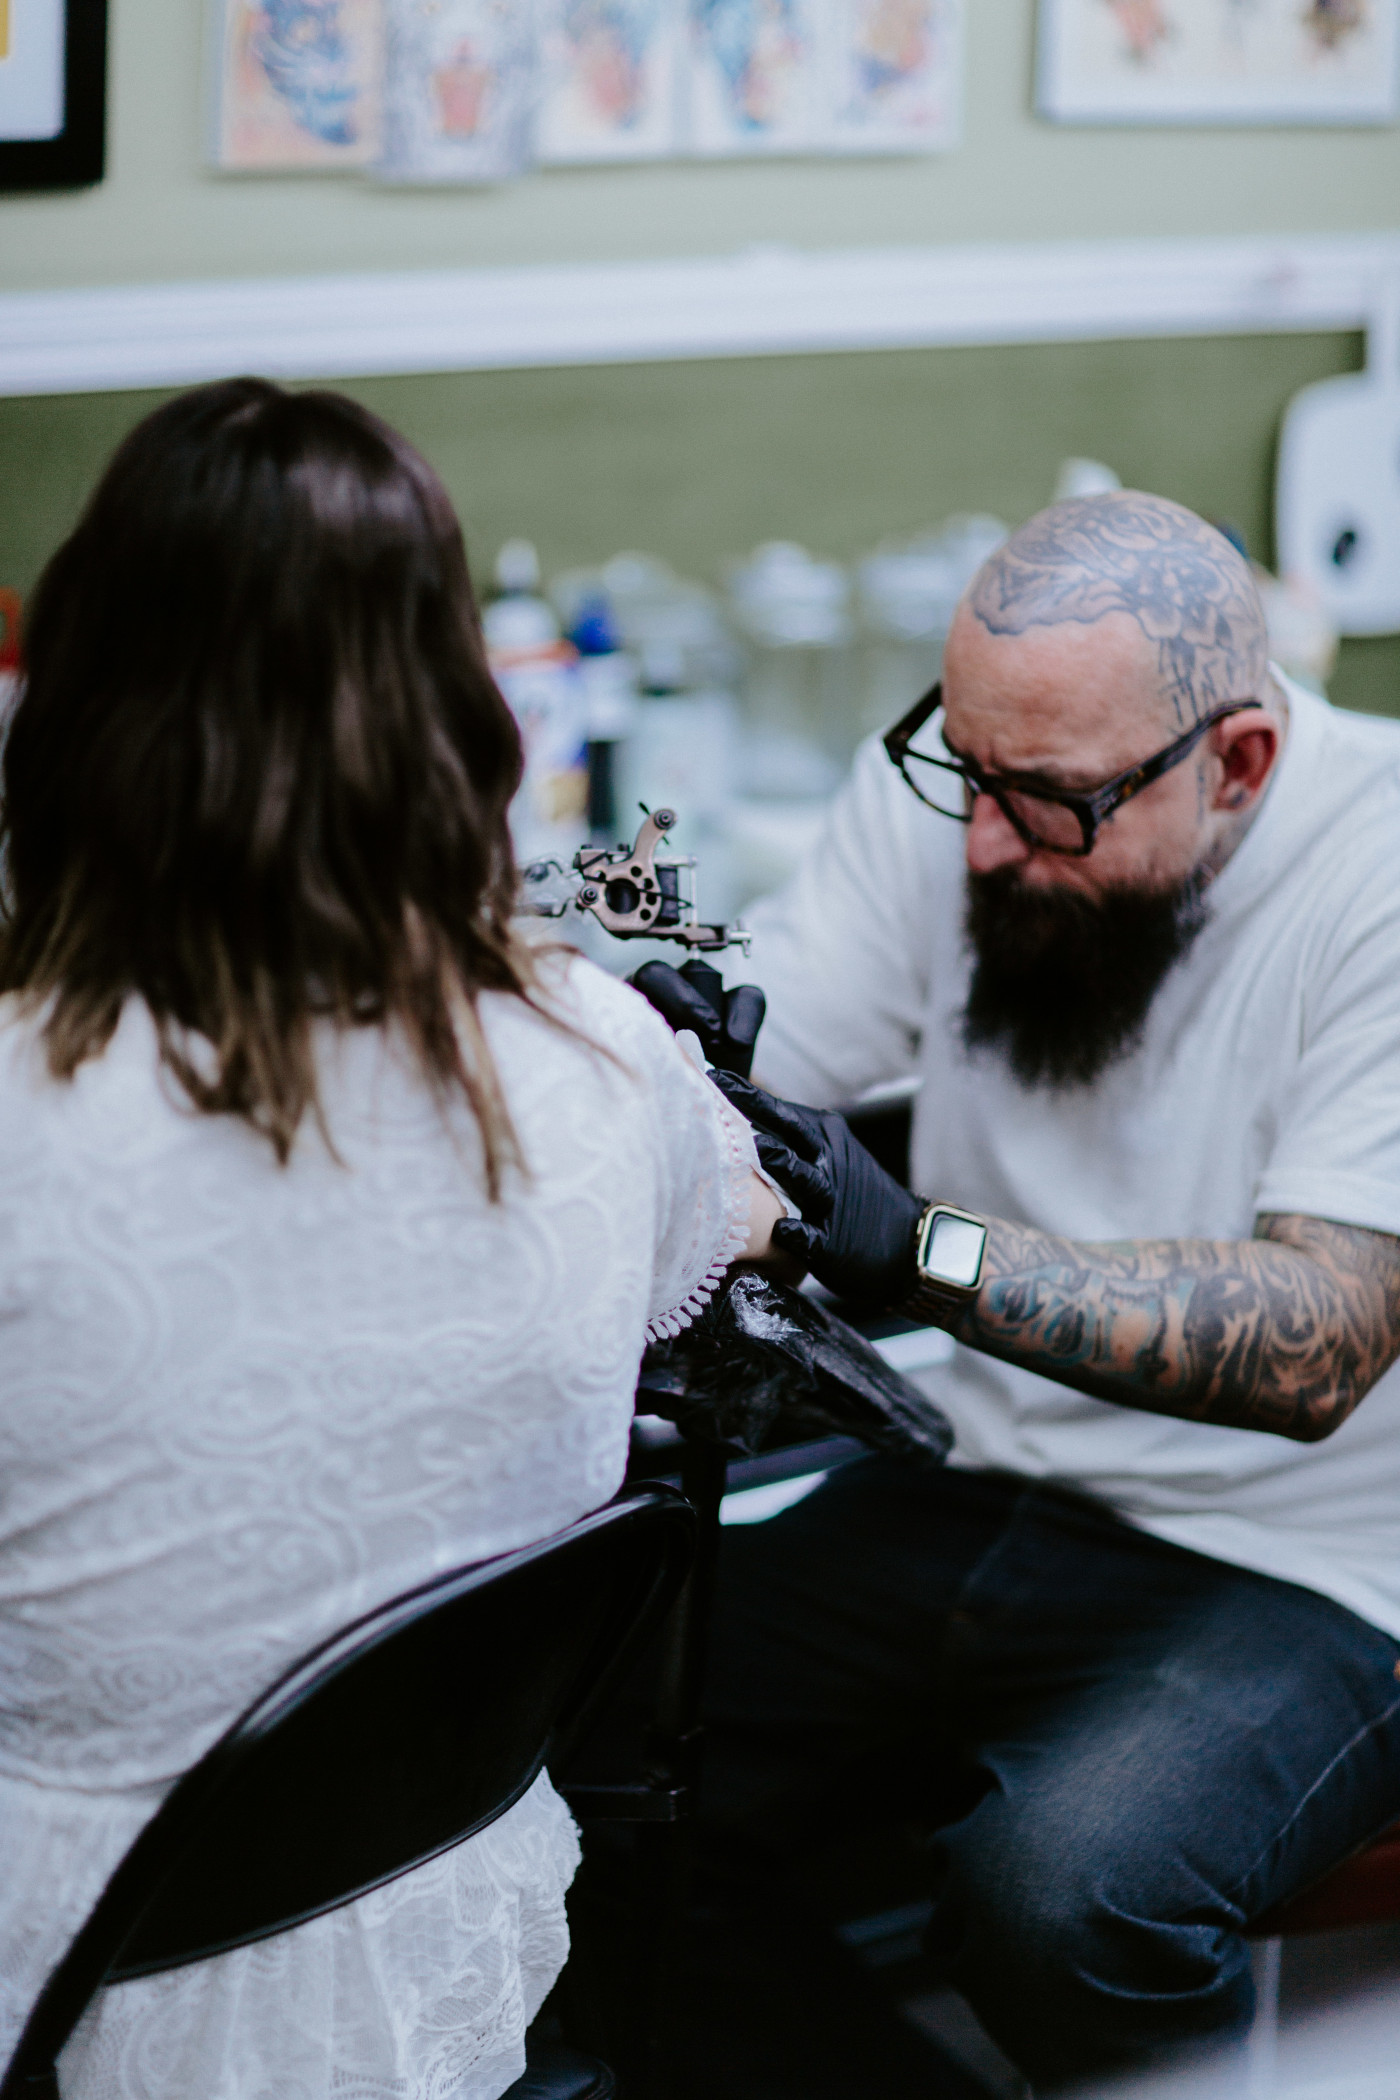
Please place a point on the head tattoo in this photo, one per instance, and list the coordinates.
(1187, 588)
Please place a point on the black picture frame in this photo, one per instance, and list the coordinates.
(77, 157)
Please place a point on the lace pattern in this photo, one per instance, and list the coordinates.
(741, 1159)
(424, 1988)
(239, 1405)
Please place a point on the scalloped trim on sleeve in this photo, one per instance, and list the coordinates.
(740, 1161)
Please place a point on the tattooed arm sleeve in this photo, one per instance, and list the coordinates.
(1285, 1332)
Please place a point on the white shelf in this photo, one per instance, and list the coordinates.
(764, 302)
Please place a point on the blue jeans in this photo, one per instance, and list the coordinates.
(1132, 1750)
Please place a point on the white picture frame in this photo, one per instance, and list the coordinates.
(1228, 62)
(31, 70)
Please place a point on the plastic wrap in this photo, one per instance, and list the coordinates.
(765, 1366)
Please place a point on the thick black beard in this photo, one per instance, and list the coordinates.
(1061, 982)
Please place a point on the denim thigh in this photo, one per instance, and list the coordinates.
(1135, 1749)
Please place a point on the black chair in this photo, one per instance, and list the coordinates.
(409, 1731)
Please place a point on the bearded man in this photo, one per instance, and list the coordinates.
(1139, 1644)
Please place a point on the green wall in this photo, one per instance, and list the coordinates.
(700, 461)
(162, 213)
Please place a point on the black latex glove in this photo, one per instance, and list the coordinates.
(858, 1225)
(763, 1366)
(727, 1023)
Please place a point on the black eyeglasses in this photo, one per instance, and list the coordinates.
(1057, 819)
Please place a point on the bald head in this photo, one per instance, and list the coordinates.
(1179, 581)
(1100, 633)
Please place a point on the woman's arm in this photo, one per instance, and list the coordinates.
(765, 1209)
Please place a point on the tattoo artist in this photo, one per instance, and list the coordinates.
(1137, 1644)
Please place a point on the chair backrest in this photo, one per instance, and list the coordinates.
(390, 1743)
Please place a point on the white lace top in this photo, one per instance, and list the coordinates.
(239, 1405)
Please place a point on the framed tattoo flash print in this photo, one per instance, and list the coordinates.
(53, 93)
(1218, 61)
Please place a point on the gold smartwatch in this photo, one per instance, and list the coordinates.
(948, 1255)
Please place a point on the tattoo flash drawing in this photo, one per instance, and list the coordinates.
(1217, 61)
(298, 83)
(1144, 26)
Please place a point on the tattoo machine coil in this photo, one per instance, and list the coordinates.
(633, 891)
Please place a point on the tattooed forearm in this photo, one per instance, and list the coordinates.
(1285, 1332)
(1182, 582)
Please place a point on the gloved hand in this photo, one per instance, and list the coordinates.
(858, 1225)
(727, 1023)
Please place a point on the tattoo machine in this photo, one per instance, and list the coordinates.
(633, 891)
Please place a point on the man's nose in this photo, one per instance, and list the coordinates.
(992, 839)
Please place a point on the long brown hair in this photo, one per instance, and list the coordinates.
(259, 772)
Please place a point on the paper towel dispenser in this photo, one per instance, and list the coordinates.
(1337, 519)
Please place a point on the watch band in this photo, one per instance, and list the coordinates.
(936, 1307)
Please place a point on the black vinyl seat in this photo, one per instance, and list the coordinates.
(390, 1743)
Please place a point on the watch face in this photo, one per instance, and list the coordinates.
(955, 1250)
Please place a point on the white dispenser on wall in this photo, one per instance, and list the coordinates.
(1337, 518)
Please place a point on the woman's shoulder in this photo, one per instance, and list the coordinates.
(31, 1102)
(101, 1101)
(600, 1007)
(25, 1082)
(589, 1031)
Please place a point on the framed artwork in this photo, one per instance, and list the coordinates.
(475, 91)
(612, 80)
(823, 76)
(53, 93)
(296, 84)
(459, 91)
(756, 70)
(897, 75)
(1219, 61)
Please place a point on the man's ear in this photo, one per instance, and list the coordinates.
(1246, 744)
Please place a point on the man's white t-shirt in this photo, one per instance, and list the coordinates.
(1267, 1079)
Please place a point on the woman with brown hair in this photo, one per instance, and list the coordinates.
(332, 1218)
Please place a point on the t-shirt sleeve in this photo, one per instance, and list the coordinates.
(1337, 1151)
(838, 950)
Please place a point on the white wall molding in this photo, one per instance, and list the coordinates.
(762, 302)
